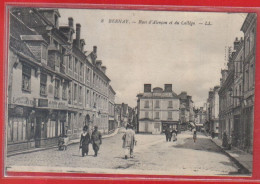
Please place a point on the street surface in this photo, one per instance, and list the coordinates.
(152, 155)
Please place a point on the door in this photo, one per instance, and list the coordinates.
(146, 126)
(38, 132)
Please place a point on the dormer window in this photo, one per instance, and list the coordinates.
(56, 23)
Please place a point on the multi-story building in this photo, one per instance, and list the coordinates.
(238, 59)
(55, 87)
(157, 109)
(249, 30)
(237, 89)
(186, 109)
(213, 110)
(111, 109)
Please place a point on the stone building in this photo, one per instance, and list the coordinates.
(237, 89)
(55, 87)
(111, 109)
(249, 30)
(157, 109)
(213, 110)
(186, 109)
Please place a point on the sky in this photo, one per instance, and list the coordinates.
(188, 55)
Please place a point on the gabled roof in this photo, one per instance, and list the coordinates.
(17, 28)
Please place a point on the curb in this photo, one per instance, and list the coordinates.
(52, 147)
(242, 169)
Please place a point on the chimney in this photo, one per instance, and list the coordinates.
(78, 26)
(95, 49)
(70, 22)
(103, 68)
(98, 64)
(236, 44)
(147, 88)
(167, 87)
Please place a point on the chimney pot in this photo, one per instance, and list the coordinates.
(167, 87)
(147, 88)
(95, 49)
(78, 26)
(70, 19)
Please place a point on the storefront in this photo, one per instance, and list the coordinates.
(172, 124)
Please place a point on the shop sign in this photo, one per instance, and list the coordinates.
(18, 111)
(43, 102)
(57, 104)
(23, 101)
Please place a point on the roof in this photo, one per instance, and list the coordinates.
(17, 28)
(159, 95)
(32, 37)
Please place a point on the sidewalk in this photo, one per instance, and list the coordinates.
(74, 141)
(242, 159)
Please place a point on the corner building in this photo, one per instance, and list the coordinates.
(157, 109)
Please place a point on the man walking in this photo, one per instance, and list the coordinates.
(96, 138)
(129, 141)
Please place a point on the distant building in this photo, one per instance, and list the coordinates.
(186, 109)
(157, 109)
(112, 124)
(213, 110)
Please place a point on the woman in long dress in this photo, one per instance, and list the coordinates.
(84, 141)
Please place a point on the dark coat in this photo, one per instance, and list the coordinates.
(85, 141)
(96, 138)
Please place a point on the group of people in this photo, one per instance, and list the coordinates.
(95, 139)
(171, 134)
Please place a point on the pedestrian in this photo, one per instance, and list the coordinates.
(96, 139)
(174, 135)
(225, 140)
(168, 134)
(129, 141)
(85, 141)
(194, 136)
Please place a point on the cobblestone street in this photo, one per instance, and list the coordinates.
(153, 155)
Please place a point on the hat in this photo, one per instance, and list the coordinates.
(85, 128)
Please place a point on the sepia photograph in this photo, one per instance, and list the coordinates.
(109, 91)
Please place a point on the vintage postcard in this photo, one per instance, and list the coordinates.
(130, 92)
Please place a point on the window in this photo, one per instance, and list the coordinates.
(70, 62)
(26, 77)
(157, 104)
(44, 52)
(64, 90)
(146, 105)
(157, 115)
(87, 97)
(69, 93)
(16, 130)
(169, 115)
(76, 66)
(57, 89)
(81, 69)
(75, 92)
(251, 77)
(241, 64)
(43, 85)
(169, 104)
(80, 94)
(146, 114)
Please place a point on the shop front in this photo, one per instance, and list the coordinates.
(172, 124)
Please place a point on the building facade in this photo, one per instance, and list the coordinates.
(237, 89)
(157, 109)
(213, 110)
(249, 30)
(55, 87)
